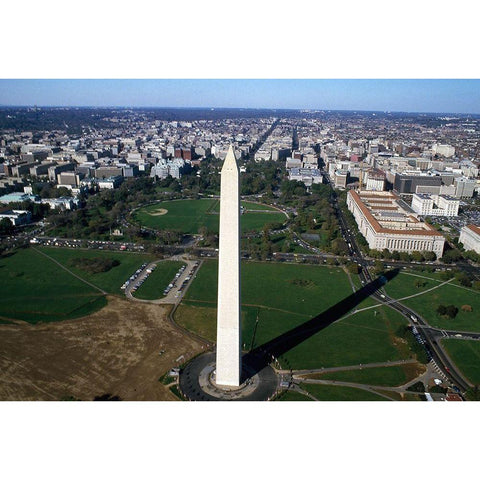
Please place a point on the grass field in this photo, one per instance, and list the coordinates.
(158, 280)
(110, 281)
(382, 376)
(340, 393)
(188, 216)
(279, 297)
(403, 285)
(466, 355)
(36, 289)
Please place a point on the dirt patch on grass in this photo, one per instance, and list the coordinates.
(158, 212)
(115, 351)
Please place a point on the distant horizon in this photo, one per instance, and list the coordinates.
(154, 107)
(429, 96)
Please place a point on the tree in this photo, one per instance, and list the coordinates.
(420, 283)
(386, 254)
(448, 311)
(405, 257)
(451, 256)
(429, 256)
(446, 275)
(395, 255)
(339, 247)
(451, 311)
(464, 279)
(379, 268)
(6, 227)
(442, 310)
(417, 256)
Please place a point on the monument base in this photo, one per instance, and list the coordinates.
(197, 382)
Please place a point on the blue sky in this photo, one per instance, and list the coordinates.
(453, 96)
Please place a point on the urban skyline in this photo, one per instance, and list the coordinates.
(461, 96)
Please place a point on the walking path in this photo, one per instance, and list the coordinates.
(349, 367)
(389, 302)
(435, 280)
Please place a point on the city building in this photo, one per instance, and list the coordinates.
(464, 187)
(17, 217)
(435, 205)
(443, 150)
(110, 182)
(18, 197)
(470, 238)
(408, 182)
(386, 221)
(375, 180)
(305, 175)
(341, 178)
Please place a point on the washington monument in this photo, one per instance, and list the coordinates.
(229, 337)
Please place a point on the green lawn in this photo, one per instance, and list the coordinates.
(404, 285)
(466, 355)
(188, 216)
(110, 281)
(290, 287)
(36, 289)
(339, 393)
(284, 296)
(158, 280)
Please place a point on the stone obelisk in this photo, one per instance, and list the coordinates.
(229, 339)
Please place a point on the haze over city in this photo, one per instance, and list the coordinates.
(416, 95)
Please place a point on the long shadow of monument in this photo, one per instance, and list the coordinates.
(261, 356)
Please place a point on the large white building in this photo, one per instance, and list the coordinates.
(470, 238)
(306, 175)
(435, 205)
(443, 150)
(386, 221)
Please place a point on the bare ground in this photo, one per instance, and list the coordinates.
(113, 351)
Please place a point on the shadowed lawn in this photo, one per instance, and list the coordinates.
(286, 296)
